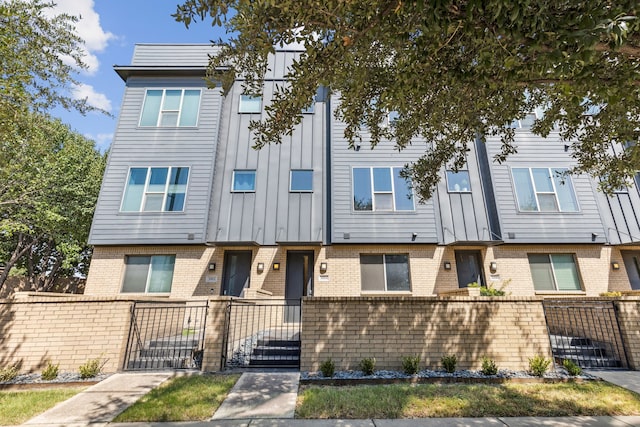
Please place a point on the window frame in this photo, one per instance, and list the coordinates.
(145, 190)
(242, 110)
(233, 181)
(555, 284)
(454, 191)
(291, 172)
(148, 274)
(393, 192)
(551, 175)
(161, 110)
(384, 275)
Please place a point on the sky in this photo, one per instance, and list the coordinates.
(110, 29)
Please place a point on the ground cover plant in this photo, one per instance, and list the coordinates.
(591, 398)
(186, 398)
(16, 407)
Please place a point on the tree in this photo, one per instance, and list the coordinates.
(451, 71)
(60, 173)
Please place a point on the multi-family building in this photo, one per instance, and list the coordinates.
(189, 209)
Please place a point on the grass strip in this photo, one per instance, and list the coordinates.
(185, 398)
(597, 398)
(16, 407)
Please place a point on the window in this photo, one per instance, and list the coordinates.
(381, 189)
(155, 189)
(148, 274)
(458, 182)
(544, 190)
(250, 104)
(554, 272)
(310, 109)
(170, 108)
(301, 181)
(244, 181)
(385, 272)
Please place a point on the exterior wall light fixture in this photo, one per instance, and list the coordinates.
(493, 266)
(447, 265)
(323, 267)
(212, 266)
(260, 267)
(276, 266)
(615, 265)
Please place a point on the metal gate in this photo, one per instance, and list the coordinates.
(585, 332)
(166, 336)
(262, 333)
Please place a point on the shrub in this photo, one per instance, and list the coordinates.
(538, 365)
(492, 292)
(489, 367)
(328, 368)
(50, 372)
(410, 364)
(571, 367)
(91, 368)
(9, 373)
(473, 285)
(449, 363)
(368, 365)
(611, 294)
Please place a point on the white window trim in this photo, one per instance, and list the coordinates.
(233, 180)
(374, 192)
(536, 192)
(160, 111)
(291, 181)
(146, 186)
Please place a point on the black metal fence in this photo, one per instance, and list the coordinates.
(166, 336)
(262, 333)
(585, 332)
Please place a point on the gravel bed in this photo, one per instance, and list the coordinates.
(63, 377)
(355, 375)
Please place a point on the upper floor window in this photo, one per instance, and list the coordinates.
(155, 189)
(544, 190)
(458, 182)
(301, 181)
(388, 272)
(244, 181)
(554, 272)
(170, 108)
(310, 109)
(148, 274)
(381, 189)
(250, 104)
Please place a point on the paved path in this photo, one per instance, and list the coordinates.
(627, 379)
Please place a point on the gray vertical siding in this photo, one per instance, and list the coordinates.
(349, 226)
(271, 214)
(547, 227)
(135, 146)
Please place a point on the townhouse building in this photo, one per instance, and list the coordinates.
(189, 209)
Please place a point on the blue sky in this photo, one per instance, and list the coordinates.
(110, 29)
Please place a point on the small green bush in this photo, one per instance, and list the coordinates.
(449, 363)
(368, 365)
(538, 365)
(50, 372)
(9, 373)
(91, 368)
(492, 292)
(571, 367)
(328, 368)
(410, 364)
(473, 285)
(611, 294)
(489, 367)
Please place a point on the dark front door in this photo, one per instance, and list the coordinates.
(469, 267)
(237, 269)
(632, 264)
(299, 274)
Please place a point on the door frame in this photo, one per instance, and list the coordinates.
(479, 260)
(227, 253)
(310, 267)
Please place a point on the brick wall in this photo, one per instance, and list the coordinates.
(629, 320)
(508, 330)
(65, 331)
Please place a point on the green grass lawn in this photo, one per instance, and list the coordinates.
(17, 407)
(464, 400)
(186, 398)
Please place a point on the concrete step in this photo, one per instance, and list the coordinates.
(173, 342)
(278, 343)
(581, 351)
(591, 362)
(276, 351)
(170, 352)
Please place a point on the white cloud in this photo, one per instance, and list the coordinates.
(103, 140)
(88, 28)
(95, 99)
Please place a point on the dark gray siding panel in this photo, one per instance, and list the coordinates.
(526, 227)
(134, 146)
(349, 226)
(272, 214)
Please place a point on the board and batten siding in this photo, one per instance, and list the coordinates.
(135, 146)
(350, 226)
(272, 214)
(543, 227)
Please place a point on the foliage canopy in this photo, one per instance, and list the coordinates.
(451, 70)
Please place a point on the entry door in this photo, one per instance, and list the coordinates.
(299, 280)
(469, 267)
(237, 269)
(632, 264)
